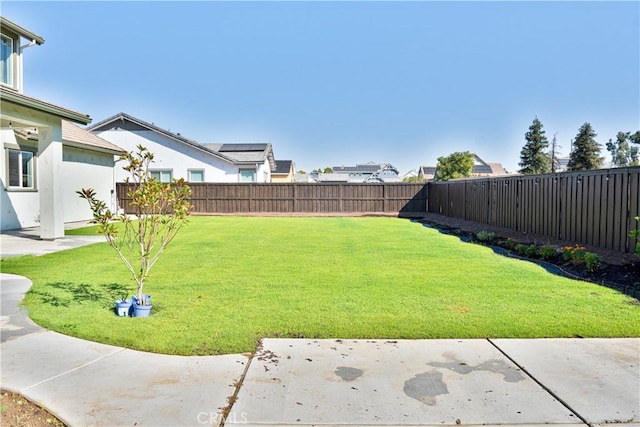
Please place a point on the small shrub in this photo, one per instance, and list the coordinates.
(578, 257)
(573, 254)
(531, 251)
(485, 236)
(635, 234)
(592, 262)
(521, 248)
(509, 243)
(547, 252)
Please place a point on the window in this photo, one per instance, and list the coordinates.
(6, 60)
(196, 175)
(162, 175)
(247, 175)
(21, 169)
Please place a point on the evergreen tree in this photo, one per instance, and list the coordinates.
(455, 165)
(585, 152)
(533, 157)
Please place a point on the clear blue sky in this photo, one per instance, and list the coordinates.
(339, 83)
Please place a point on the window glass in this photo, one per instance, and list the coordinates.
(196, 176)
(14, 168)
(6, 51)
(247, 176)
(21, 169)
(161, 176)
(27, 169)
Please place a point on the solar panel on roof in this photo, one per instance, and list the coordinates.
(242, 147)
(481, 169)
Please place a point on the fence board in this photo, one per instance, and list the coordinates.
(591, 207)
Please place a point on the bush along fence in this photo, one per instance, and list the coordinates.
(291, 198)
(596, 208)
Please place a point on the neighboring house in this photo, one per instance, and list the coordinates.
(301, 177)
(178, 157)
(480, 169)
(427, 173)
(411, 174)
(256, 160)
(562, 164)
(284, 171)
(361, 173)
(44, 158)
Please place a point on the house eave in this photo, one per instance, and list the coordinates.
(21, 31)
(8, 95)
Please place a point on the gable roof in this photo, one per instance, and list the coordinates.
(283, 167)
(126, 121)
(427, 170)
(370, 167)
(76, 136)
(246, 153)
(480, 167)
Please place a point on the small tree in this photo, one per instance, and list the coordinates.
(455, 165)
(533, 157)
(622, 153)
(161, 210)
(585, 154)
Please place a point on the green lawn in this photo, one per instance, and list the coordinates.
(228, 281)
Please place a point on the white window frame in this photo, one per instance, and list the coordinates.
(9, 62)
(21, 172)
(189, 178)
(160, 173)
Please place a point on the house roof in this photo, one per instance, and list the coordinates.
(246, 153)
(126, 121)
(21, 100)
(21, 31)
(370, 167)
(75, 135)
(480, 167)
(428, 170)
(283, 167)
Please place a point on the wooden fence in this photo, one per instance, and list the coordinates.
(589, 207)
(301, 198)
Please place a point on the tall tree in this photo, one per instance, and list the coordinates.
(585, 154)
(455, 165)
(622, 154)
(533, 157)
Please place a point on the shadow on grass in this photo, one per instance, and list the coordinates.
(64, 294)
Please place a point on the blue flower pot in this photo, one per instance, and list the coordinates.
(123, 309)
(141, 310)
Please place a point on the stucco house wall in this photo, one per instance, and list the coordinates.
(82, 168)
(185, 158)
(170, 155)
